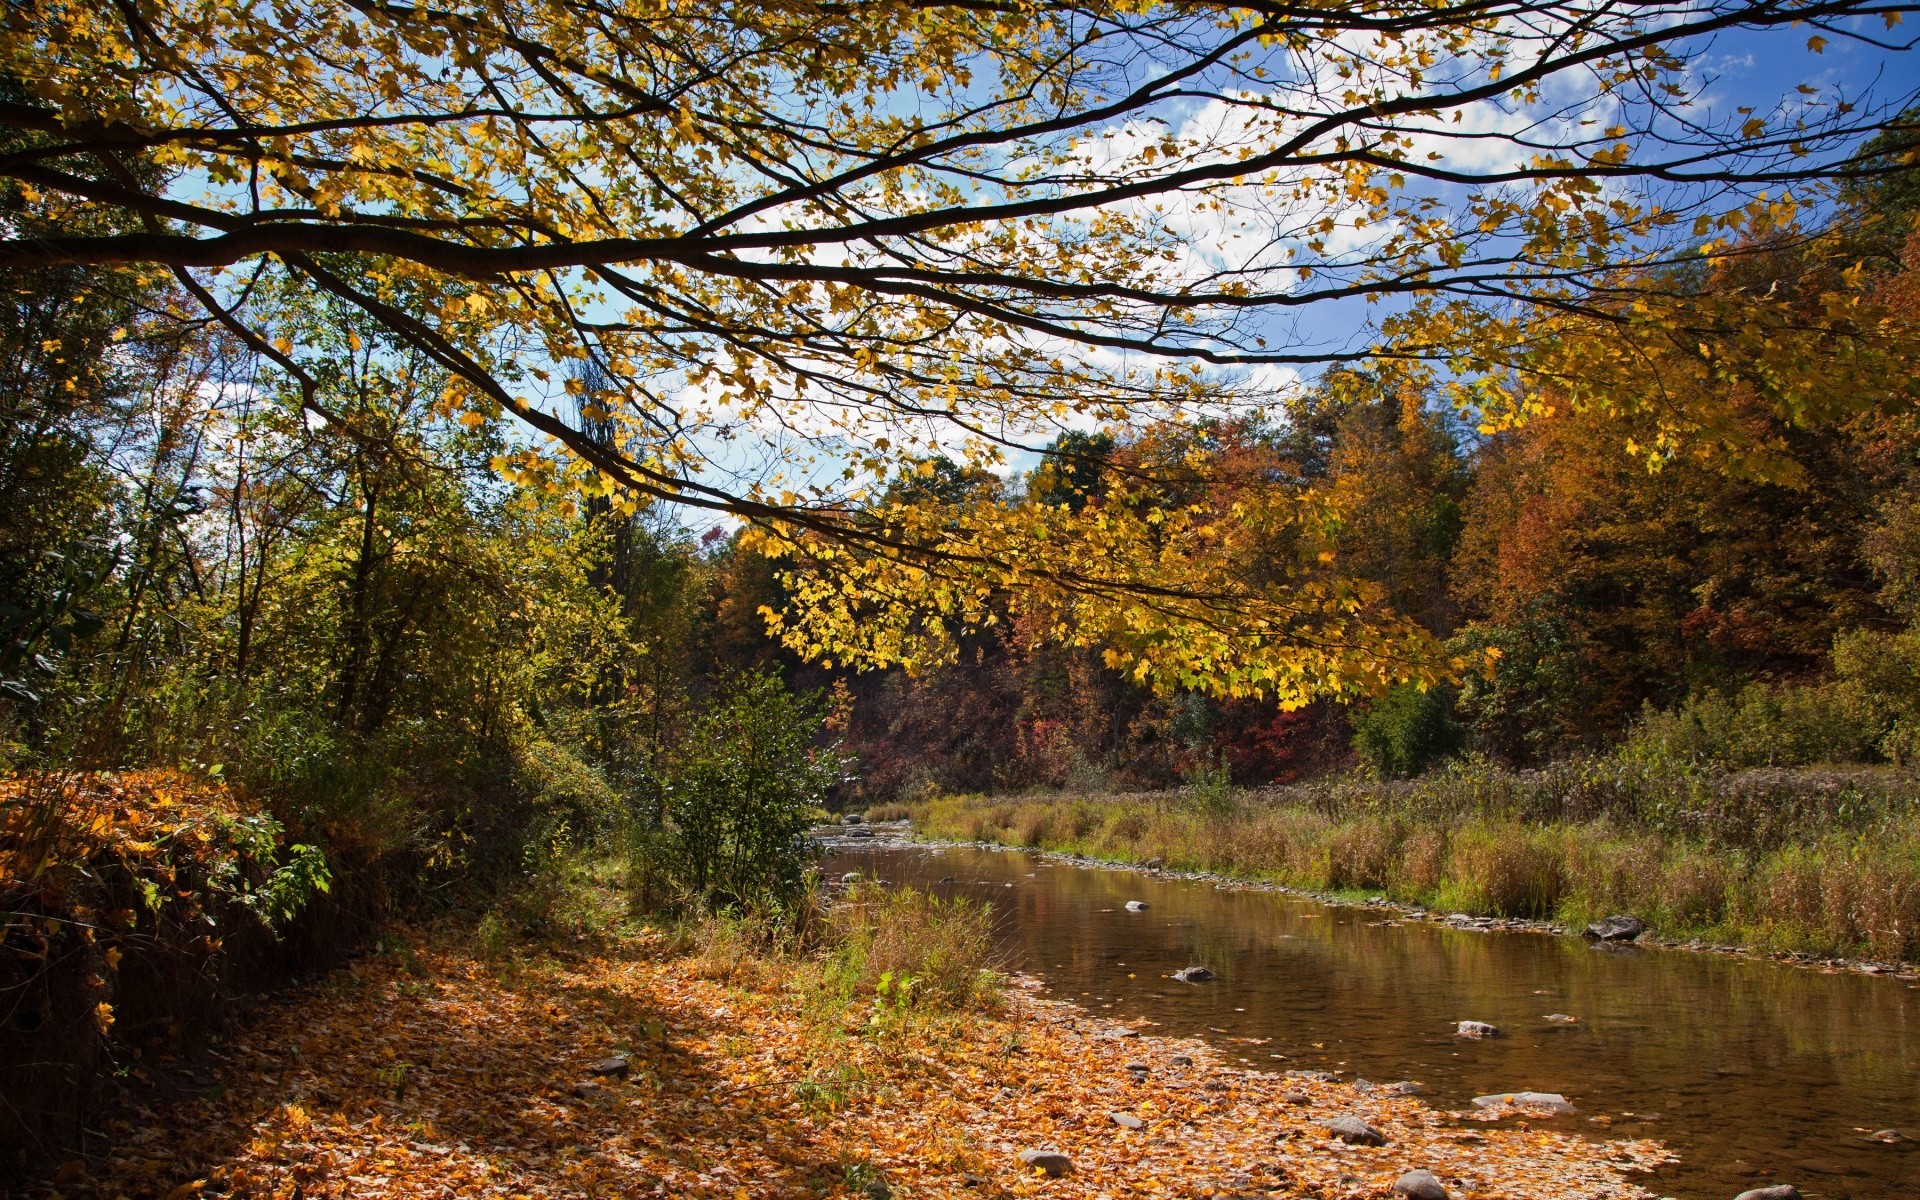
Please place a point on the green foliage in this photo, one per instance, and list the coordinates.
(1209, 784)
(742, 785)
(1406, 731)
(1526, 694)
(1759, 727)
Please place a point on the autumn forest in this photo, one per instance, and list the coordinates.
(502, 504)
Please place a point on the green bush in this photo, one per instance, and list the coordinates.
(1406, 731)
(741, 787)
(1786, 726)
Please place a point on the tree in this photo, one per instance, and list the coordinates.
(804, 246)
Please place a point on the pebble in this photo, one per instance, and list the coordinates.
(1127, 1120)
(1779, 1191)
(1476, 1029)
(1419, 1185)
(1353, 1131)
(1051, 1162)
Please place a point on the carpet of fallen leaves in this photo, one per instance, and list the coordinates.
(428, 1071)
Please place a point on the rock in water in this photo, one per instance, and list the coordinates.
(853, 819)
(1419, 1185)
(1051, 1162)
(1476, 1029)
(1779, 1191)
(1617, 928)
(1353, 1131)
(850, 877)
(1562, 1019)
(1127, 1121)
(1136, 906)
(1193, 975)
(859, 831)
(1552, 1102)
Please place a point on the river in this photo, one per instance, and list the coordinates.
(1752, 1072)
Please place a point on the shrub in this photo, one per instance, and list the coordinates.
(1790, 725)
(741, 788)
(1406, 731)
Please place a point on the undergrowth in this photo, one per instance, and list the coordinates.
(1816, 862)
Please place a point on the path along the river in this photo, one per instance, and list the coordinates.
(1752, 1072)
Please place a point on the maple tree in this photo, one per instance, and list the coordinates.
(778, 254)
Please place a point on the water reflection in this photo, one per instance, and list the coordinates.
(1753, 1073)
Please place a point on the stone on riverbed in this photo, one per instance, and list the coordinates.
(1181, 1060)
(1476, 1029)
(1193, 975)
(1136, 906)
(853, 819)
(1353, 1131)
(1127, 1120)
(1552, 1102)
(1617, 928)
(1050, 1162)
(1419, 1185)
(1779, 1191)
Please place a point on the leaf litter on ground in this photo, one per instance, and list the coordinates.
(434, 1073)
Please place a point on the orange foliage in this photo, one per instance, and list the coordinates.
(426, 1074)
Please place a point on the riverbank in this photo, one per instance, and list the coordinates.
(1832, 876)
(441, 1063)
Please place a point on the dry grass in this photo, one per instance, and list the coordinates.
(1780, 880)
(945, 946)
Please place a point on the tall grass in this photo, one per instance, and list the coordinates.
(1823, 862)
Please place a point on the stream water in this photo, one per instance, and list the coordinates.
(1753, 1073)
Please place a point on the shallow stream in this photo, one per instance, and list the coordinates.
(1753, 1073)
